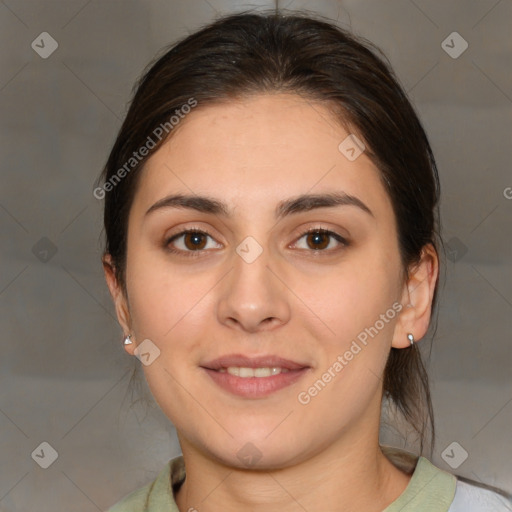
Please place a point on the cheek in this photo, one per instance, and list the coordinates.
(162, 298)
(356, 303)
(353, 295)
(172, 310)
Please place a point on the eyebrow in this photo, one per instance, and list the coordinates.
(299, 204)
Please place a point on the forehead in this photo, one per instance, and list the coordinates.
(257, 150)
(246, 128)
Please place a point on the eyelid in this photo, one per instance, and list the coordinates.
(174, 236)
(203, 231)
(342, 241)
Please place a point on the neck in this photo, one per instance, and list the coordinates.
(351, 475)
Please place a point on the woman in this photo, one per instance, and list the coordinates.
(271, 215)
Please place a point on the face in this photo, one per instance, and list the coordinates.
(248, 267)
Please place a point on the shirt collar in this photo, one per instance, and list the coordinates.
(428, 484)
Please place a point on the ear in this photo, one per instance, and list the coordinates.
(118, 296)
(417, 295)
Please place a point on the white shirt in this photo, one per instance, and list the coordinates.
(472, 498)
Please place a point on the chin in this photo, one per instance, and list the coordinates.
(258, 452)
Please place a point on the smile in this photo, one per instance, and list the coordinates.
(245, 372)
(254, 383)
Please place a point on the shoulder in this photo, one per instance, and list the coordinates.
(472, 497)
(157, 495)
(436, 490)
(136, 501)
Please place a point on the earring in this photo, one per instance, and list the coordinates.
(127, 340)
(411, 338)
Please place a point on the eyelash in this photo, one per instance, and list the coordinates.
(194, 254)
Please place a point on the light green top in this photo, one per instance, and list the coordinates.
(430, 488)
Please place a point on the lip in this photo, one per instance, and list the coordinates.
(241, 360)
(254, 387)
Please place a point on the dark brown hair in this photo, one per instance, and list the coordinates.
(254, 53)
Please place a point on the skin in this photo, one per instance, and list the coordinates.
(293, 301)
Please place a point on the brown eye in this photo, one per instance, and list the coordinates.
(322, 240)
(317, 240)
(189, 241)
(194, 240)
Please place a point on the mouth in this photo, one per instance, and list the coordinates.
(245, 372)
(255, 377)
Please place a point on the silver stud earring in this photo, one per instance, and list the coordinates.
(127, 340)
(411, 339)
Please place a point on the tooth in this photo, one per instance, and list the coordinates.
(246, 372)
(262, 372)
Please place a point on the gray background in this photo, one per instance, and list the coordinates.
(63, 373)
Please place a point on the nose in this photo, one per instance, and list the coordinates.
(252, 297)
